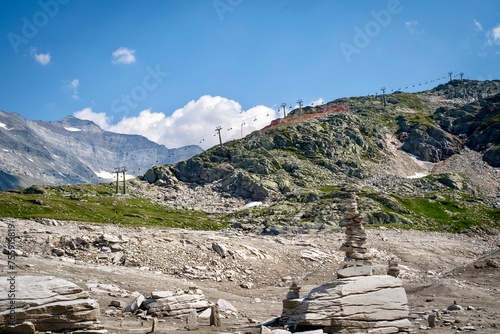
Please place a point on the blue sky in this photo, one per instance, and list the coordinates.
(174, 70)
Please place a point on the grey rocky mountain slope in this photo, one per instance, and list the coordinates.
(73, 151)
(358, 144)
(423, 158)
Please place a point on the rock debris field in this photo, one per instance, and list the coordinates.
(170, 280)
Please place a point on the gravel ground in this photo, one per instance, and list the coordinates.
(437, 269)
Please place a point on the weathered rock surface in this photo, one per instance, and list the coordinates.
(176, 303)
(49, 303)
(169, 250)
(346, 304)
(355, 301)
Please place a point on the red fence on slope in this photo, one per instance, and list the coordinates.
(305, 117)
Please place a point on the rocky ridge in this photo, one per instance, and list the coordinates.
(437, 146)
(73, 151)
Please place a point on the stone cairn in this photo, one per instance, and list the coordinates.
(357, 260)
(356, 301)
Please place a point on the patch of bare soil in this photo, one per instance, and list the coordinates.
(254, 272)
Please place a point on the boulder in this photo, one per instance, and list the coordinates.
(492, 156)
(24, 328)
(176, 303)
(135, 304)
(226, 306)
(49, 303)
(368, 302)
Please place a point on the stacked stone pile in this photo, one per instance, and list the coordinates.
(49, 303)
(355, 302)
(357, 260)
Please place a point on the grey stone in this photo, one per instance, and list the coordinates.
(375, 302)
(220, 249)
(454, 307)
(191, 320)
(280, 331)
(432, 320)
(265, 330)
(116, 258)
(23, 328)
(135, 304)
(205, 314)
(246, 285)
(214, 316)
(225, 306)
(50, 303)
(355, 271)
(58, 251)
(179, 303)
(162, 294)
(118, 303)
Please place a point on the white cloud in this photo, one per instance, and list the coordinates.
(413, 28)
(72, 87)
(123, 56)
(478, 25)
(493, 36)
(41, 58)
(193, 124)
(100, 118)
(317, 102)
(410, 24)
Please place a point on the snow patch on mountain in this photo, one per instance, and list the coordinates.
(71, 129)
(425, 165)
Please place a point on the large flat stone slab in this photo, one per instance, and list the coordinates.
(377, 303)
(50, 303)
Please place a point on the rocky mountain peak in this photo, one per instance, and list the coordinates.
(73, 151)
